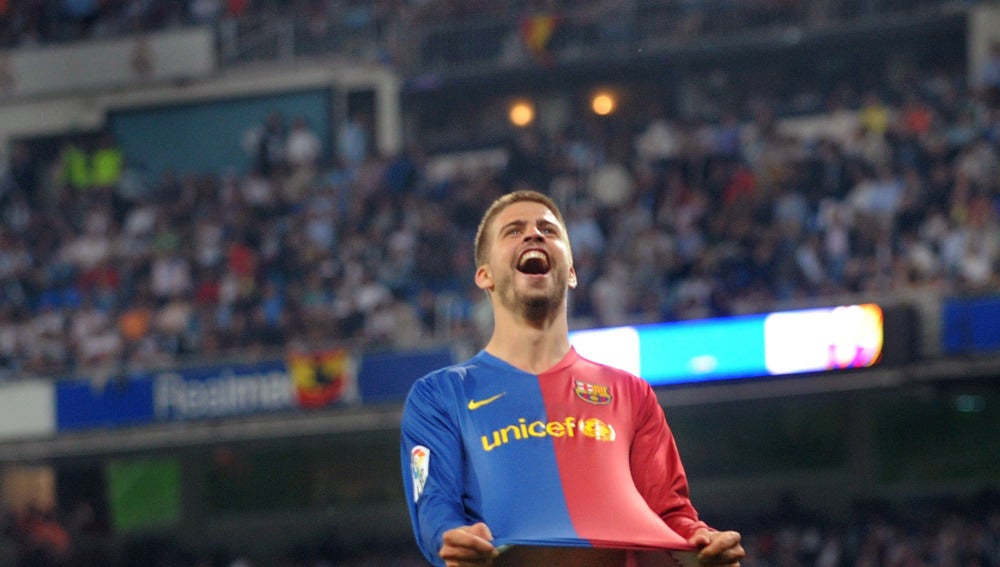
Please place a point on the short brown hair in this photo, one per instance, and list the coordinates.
(482, 233)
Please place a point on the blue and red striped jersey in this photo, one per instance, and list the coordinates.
(580, 455)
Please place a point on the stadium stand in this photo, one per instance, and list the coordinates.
(709, 219)
(678, 219)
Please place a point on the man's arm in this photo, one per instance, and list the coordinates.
(657, 469)
(659, 475)
(432, 461)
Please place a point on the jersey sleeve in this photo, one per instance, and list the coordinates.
(657, 469)
(431, 453)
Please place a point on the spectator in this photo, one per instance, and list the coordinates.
(353, 141)
(874, 116)
(302, 153)
(205, 11)
(660, 143)
(989, 74)
(267, 144)
(303, 145)
(170, 275)
(585, 232)
(611, 295)
(11, 356)
(93, 337)
(107, 163)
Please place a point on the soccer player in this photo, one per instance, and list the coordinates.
(529, 445)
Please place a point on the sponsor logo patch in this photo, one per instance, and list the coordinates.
(568, 428)
(476, 404)
(597, 429)
(420, 458)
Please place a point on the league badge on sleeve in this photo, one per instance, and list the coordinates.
(420, 458)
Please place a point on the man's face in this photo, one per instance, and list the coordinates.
(530, 267)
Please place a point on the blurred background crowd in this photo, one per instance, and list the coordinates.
(671, 218)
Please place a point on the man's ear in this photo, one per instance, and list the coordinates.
(572, 278)
(484, 279)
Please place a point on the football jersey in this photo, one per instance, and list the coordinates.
(579, 455)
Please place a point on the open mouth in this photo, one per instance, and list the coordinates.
(533, 262)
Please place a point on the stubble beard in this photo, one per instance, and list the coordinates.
(536, 308)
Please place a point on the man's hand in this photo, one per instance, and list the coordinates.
(718, 548)
(468, 546)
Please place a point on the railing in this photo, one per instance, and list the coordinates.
(451, 35)
(257, 39)
(282, 37)
(426, 44)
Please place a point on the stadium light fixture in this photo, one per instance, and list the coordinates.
(521, 113)
(603, 103)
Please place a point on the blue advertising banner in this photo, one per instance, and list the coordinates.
(303, 381)
(969, 325)
(388, 377)
(84, 404)
(223, 391)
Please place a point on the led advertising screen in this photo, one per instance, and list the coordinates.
(771, 344)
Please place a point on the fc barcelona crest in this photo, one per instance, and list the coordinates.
(592, 393)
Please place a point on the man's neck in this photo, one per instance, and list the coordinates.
(532, 348)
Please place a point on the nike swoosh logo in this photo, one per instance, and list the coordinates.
(476, 404)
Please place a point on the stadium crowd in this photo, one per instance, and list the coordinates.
(675, 219)
(670, 219)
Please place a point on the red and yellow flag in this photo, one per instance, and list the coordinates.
(537, 31)
(320, 378)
